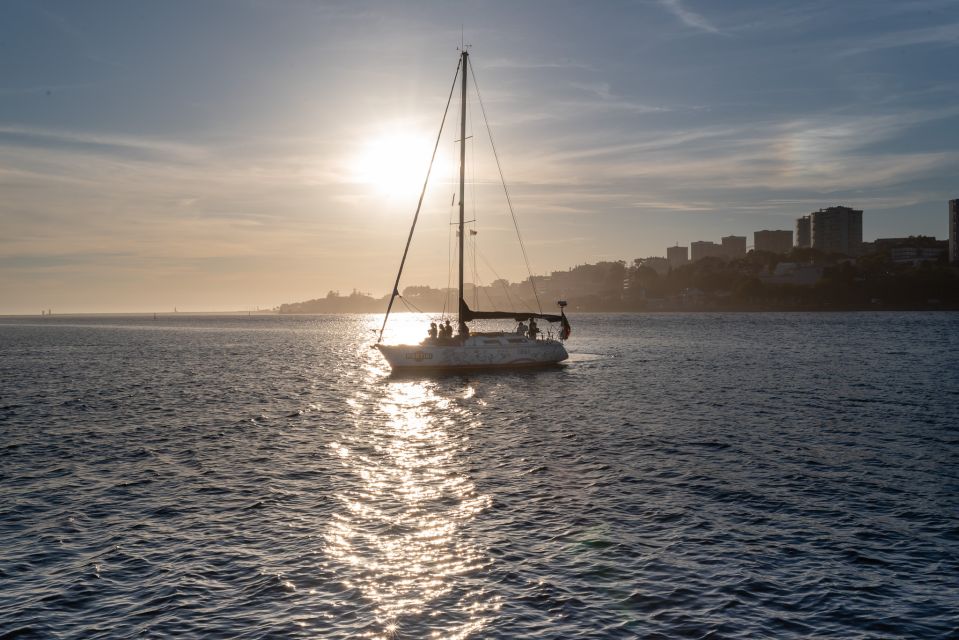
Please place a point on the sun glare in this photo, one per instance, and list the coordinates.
(394, 165)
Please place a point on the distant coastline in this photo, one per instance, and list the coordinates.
(691, 308)
(803, 280)
(657, 310)
(140, 314)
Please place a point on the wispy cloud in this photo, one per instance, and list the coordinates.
(943, 35)
(676, 205)
(106, 143)
(688, 17)
(605, 99)
(515, 63)
(745, 168)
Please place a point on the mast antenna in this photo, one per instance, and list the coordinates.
(463, 46)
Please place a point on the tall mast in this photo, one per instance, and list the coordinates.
(460, 302)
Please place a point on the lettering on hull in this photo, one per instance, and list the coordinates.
(419, 356)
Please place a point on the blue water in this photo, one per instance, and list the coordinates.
(686, 475)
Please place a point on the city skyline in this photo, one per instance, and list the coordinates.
(230, 155)
(784, 240)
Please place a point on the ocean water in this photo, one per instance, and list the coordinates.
(684, 476)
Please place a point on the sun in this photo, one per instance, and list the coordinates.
(394, 165)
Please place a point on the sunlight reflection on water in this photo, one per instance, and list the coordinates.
(398, 536)
(406, 328)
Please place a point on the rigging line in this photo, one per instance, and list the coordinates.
(478, 285)
(475, 274)
(450, 238)
(509, 300)
(469, 108)
(409, 305)
(471, 253)
(449, 269)
(523, 303)
(489, 298)
(509, 200)
(419, 205)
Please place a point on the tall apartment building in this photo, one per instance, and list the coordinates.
(705, 249)
(803, 235)
(953, 230)
(836, 229)
(774, 241)
(734, 247)
(677, 256)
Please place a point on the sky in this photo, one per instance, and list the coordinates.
(239, 154)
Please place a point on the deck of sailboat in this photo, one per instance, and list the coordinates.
(491, 337)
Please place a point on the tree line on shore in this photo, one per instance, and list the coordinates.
(805, 279)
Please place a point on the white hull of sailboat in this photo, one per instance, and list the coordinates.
(476, 352)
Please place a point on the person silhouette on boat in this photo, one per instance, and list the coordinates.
(447, 330)
(533, 329)
(433, 331)
(464, 331)
(522, 328)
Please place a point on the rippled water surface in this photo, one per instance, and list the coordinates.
(701, 475)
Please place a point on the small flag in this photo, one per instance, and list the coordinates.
(473, 232)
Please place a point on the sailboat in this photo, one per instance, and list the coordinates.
(466, 349)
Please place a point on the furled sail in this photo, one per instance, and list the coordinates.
(468, 315)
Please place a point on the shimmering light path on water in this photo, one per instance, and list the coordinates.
(700, 475)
